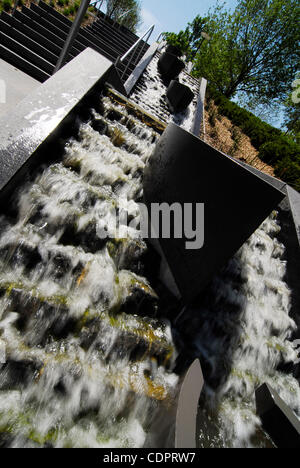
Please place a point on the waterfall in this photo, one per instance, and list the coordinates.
(243, 333)
(86, 363)
(88, 357)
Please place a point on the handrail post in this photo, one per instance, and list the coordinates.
(133, 48)
(15, 7)
(72, 35)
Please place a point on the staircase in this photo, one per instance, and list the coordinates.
(33, 38)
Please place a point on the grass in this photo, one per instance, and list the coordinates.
(68, 8)
(6, 5)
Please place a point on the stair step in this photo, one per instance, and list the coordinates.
(122, 29)
(22, 64)
(55, 13)
(27, 42)
(122, 46)
(26, 53)
(51, 31)
(84, 39)
(25, 19)
(119, 46)
(52, 19)
(45, 23)
(30, 33)
(111, 31)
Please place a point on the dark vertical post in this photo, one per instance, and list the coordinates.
(15, 7)
(72, 35)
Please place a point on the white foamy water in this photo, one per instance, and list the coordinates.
(150, 93)
(79, 370)
(87, 365)
(245, 333)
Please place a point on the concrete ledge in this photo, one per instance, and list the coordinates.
(141, 67)
(187, 410)
(294, 201)
(47, 112)
(18, 85)
(199, 115)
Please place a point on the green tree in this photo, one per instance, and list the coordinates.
(252, 50)
(126, 12)
(190, 40)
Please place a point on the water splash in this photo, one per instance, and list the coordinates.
(243, 334)
(85, 366)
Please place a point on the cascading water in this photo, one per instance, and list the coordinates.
(85, 363)
(241, 329)
(243, 334)
(82, 368)
(150, 93)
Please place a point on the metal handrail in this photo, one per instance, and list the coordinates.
(118, 21)
(126, 13)
(148, 33)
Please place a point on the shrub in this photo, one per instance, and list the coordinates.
(7, 5)
(280, 148)
(274, 147)
(289, 171)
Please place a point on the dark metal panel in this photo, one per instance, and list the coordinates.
(184, 169)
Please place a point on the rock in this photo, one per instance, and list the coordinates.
(179, 96)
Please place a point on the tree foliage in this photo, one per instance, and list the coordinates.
(126, 12)
(274, 147)
(190, 40)
(253, 49)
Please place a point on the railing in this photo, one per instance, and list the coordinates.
(132, 49)
(118, 21)
(15, 7)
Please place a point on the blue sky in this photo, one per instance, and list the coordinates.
(173, 15)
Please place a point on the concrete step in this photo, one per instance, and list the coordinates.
(111, 35)
(29, 32)
(22, 64)
(52, 19)
(118, 44)
(114, 33)
(62, 35)
(27, 42)
(55, 13)
(122, 29)
(129, 40)
(26, 53)
(84, 38)
(36, 26)
(124, 46)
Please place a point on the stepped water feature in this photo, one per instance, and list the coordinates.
(92, 345)
(86, 362)
(32, 40)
